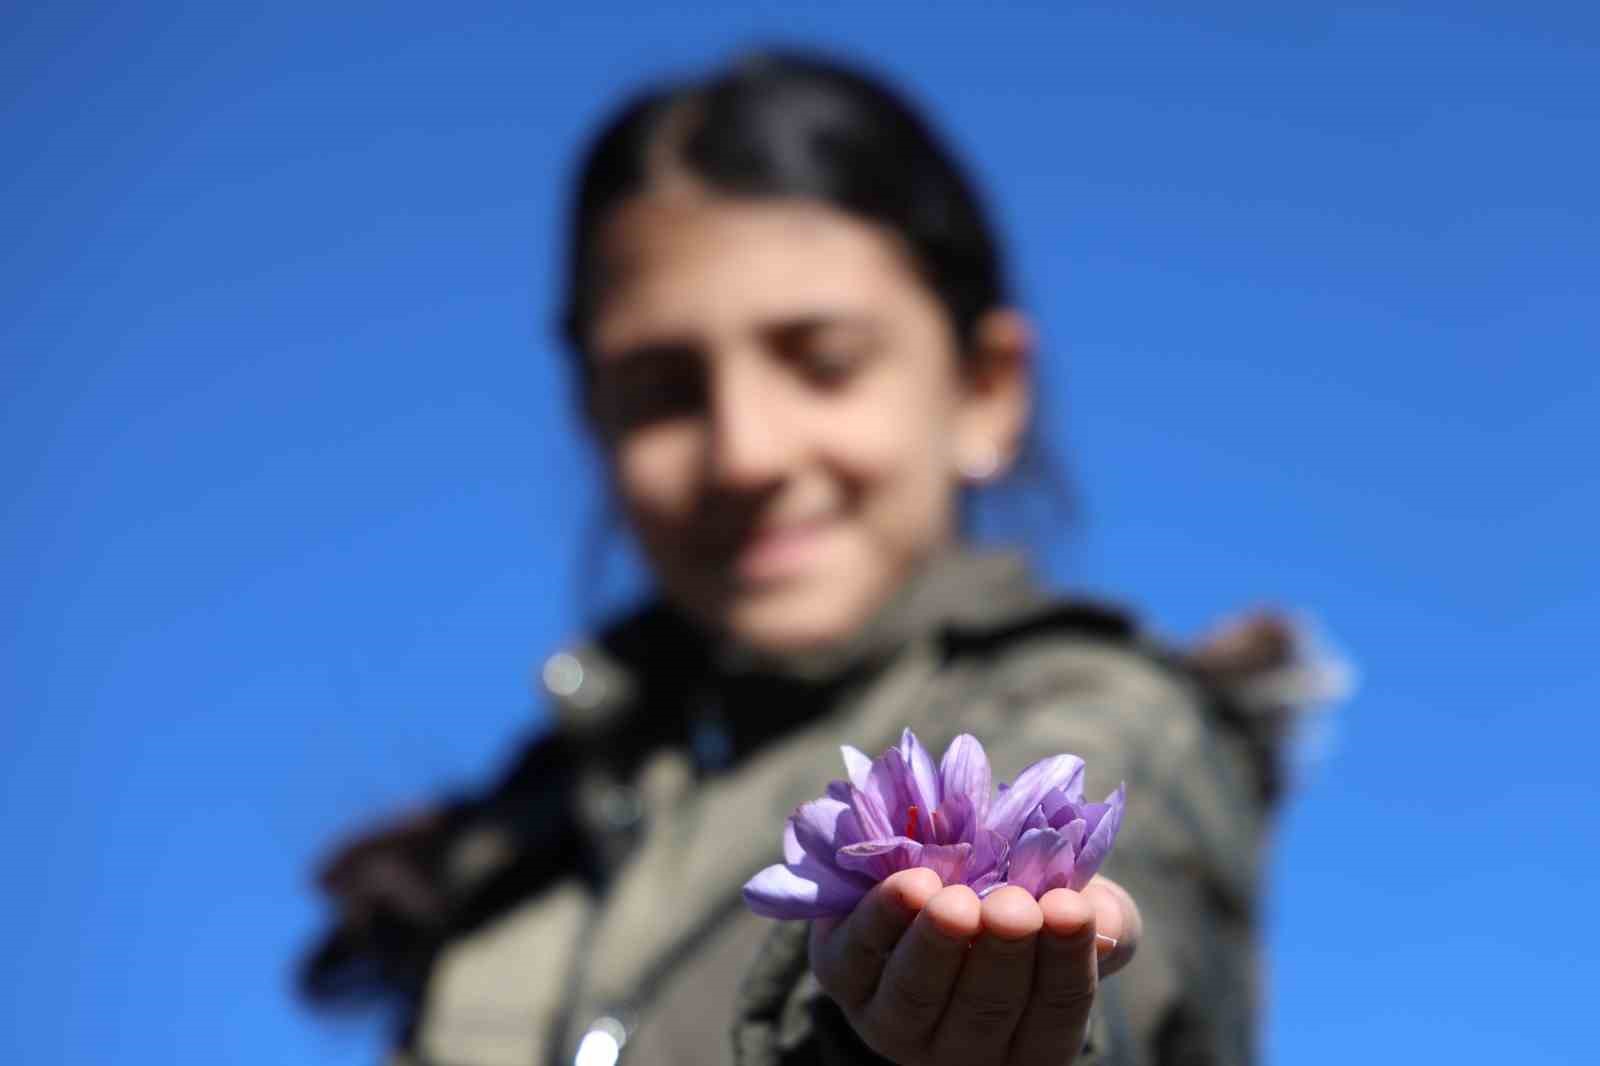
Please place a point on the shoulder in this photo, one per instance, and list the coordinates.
(1244, 684)
(1090, 679)
(1096, 655)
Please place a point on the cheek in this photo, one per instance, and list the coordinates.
(897, 452)
(655, 473)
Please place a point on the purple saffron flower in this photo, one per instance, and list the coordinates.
(894, 813)
(898, 811)
(1064, 840)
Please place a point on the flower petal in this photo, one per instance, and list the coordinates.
(1064, 772)
(880, 858)
(1034, 857)
(1098, 845)
(989, 851)
(1092, 813)
(964, 771)
(807, 890)
(816, 827)
(848, 830)
(856, 765)
(920, 763)
(871, 814)
(792, 851)
(1058, 809)
(949, 861)
(954, 820)
(886, 783)
(897, 779)
(1073, 833)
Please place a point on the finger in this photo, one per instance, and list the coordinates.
(849, 958)
(993, 987)
(921, 973)
(1117, 917)
(1056, 1019)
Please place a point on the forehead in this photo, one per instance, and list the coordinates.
(692, 263)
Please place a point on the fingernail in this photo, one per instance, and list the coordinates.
(1105, 945)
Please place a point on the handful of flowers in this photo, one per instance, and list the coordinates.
(899, 811)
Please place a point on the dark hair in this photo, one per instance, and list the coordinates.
(788, 123)
(781, 123)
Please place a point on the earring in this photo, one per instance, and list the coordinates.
(980, 462)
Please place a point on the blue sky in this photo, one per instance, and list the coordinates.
(293, 490)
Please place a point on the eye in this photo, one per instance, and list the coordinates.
(831, 365)
(827, 355)
(647, 386)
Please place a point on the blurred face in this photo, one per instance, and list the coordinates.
(782, 408)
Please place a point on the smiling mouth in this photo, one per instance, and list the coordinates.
(783, 551)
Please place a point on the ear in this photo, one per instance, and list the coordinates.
(997, 396)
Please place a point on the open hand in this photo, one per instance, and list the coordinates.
(930, 975)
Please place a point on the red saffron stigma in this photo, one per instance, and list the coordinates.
(911, 822)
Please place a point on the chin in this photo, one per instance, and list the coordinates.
(797, 620)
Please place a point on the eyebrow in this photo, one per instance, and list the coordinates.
(778, 328)
(813, 321)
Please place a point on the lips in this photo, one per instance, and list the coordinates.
(778, 552)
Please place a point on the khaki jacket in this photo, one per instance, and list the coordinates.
(593, 897)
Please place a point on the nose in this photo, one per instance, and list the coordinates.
(752, 443)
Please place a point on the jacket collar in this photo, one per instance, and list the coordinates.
(960, 592)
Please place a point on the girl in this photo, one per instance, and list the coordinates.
(797, 352)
